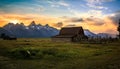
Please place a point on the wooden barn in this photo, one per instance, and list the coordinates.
(70, 34)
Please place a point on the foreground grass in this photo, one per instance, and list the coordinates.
(44, 54)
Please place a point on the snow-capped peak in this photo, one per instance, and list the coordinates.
(32, 23)
(89, 33)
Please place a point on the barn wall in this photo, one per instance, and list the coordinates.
(62, 39)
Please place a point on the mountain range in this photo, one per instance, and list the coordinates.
(34, 30)
(99, 35)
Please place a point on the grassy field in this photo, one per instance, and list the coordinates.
(45, 54)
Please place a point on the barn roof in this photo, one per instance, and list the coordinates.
(71, 31)
(67, 32)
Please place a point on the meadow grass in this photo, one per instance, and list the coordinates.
(42, 53)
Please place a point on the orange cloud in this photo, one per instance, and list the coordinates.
(26, 19)
(96, 25)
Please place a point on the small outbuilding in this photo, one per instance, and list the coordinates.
(70, 34)
(7, 37)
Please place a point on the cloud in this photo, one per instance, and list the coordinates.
(74, 20)
(96, 13)
(115, 17)
(22, 8)
(98, 1)
(97, 4)
(71, 19)
(98, 25)
(27, 18)
(54, 3)
(95, 21)
(63, 4)
(58, 25)
(96, 7)
(91, 12)
(89, 20)
(70, 25)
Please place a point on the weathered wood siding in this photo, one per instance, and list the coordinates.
(62, 39)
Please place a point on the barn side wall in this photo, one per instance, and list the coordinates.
(62, 39)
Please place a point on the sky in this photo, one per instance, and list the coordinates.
(99, 16)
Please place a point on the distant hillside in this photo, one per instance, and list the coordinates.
(101, 35)
(106, 35)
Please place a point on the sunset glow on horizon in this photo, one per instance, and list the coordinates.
(99, 16)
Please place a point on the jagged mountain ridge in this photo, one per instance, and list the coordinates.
(33, 30)
(89, 33)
